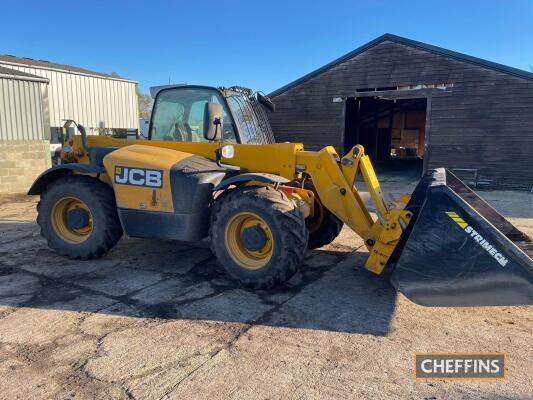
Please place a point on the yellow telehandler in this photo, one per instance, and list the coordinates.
(210, 167)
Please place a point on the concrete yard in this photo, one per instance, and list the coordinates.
(157, 319)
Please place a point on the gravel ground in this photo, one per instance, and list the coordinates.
(158, 319)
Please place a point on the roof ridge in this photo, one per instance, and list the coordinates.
(31, 62)
(16, 74)
(413, 43)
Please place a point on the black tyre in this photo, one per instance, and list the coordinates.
(323, 226)
(258, 235)
(78, 217)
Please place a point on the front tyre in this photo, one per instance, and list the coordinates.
(258, 235)
(78, 217)
(323, 226)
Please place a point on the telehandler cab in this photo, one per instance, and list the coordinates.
(210, 167)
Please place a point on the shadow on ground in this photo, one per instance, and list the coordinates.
(169, 280)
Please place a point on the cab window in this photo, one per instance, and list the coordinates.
(246, 119)
(179, 115)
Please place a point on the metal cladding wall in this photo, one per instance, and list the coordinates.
(22, 116)
(94, 101)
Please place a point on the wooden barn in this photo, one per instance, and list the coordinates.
(413, 104)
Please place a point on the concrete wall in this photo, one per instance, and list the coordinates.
(21, 161)
(24, 148)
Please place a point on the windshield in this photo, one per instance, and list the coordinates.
(179, 115)
(251, 120)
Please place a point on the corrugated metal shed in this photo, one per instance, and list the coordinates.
(93, 99)
(22, 115)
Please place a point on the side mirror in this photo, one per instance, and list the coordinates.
(213, 115)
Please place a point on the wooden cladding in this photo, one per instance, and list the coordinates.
(482, 119)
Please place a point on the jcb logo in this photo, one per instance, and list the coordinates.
(139, 177)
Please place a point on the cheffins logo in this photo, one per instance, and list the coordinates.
(152, 178)
(489, 248)
(459, 365)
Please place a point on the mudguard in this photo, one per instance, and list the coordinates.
(247, 177)
(52, 173)
(459, 251)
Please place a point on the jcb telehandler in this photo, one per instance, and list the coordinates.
(210, 167)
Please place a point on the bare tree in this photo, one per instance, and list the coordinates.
(145, 102)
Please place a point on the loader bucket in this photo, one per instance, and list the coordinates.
(459, 251)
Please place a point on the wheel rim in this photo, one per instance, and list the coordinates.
(62, 227)
(248, 257)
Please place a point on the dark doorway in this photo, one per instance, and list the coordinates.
(393, 132)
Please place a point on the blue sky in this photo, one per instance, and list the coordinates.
(259, 44)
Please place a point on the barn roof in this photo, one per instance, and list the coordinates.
(412, 43)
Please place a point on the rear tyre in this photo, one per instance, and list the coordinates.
(258, 235)
(323, 226)
(78, 217)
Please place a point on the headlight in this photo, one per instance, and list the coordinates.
(228, 151)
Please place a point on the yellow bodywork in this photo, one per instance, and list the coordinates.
(333, 178)
(141, 197)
